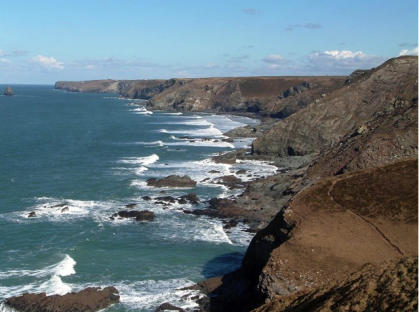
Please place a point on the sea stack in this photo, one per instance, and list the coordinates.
(8, 91)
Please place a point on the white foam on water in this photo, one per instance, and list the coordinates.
(202, 228)
(140, 170)
(141, 110)
(211, 131)
(63, 268)
(149, 294)
(201, 143)
(6, 308)
(62, 210)
(152, 143)
(147, 160)
(53, 285)
(175, 114)
(190, 122)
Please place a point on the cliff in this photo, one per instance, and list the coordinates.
(351, 200)
(276, 97)
(387, 287)
(346, 195)
(344, 111)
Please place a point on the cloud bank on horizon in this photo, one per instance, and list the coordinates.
(147, 39)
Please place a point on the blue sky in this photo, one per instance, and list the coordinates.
(46, 41)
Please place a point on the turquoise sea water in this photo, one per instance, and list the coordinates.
(93, 153)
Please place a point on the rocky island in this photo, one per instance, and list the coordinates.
(8, 91)
(336, 227)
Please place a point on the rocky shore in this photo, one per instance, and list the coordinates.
(338, 222)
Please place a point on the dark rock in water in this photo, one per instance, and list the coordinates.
(191, 198)
(214, 171)
(59, 205)
(65, 209)
(167, 199)
(146, 198)
(228, 159)
(229, 224)
(229, 140)
(172, 181)
(231, 181)
(8, 91)
(32, 214)
(241, 171)
(89, 299)
(168, 307)
(143, 215)
(130, 205)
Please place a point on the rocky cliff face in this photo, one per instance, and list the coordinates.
(355, 203)
(346, 110)
(276, 97)
(387, 287)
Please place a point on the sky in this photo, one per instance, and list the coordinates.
(45, 41)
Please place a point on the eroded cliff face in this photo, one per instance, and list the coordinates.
(276, 97)
(344, 111)
(355, 203)
(388, 287)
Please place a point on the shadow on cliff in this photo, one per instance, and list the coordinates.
(238, 290)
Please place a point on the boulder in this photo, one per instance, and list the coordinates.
(191, 198)
(168, 307)
(143, 215)
(32, 214)
(166, 199)
(89, 299)
(132, 205)
(230, 181)
(172, 181)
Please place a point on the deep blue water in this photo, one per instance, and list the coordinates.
(93, 153)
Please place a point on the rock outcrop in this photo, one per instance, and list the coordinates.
(88, 300)
(323, 123)
(387, 287)
(172, 181)
(8, 91)
(276, 97)
(143, 215)
(328, 231)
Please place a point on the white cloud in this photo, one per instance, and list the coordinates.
(273, 58)
(90, 66)
(413, 51)
(340, 61)
(340, 55)
(48, 62)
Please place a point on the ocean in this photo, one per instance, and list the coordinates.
(93, 153)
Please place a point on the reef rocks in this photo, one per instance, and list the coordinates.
(168, 307)
(90, 299)
(172, 181)
(143, 215)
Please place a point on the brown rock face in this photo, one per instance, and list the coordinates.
(325, 122)
(88, 300)
(335, 226)
(277, 97)
(172, 181)
(387, 287)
